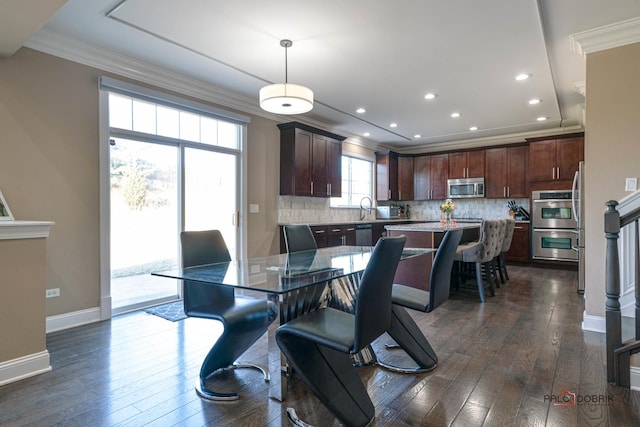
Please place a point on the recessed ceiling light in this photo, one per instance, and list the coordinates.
(534, 101)
(366, 134)
(522, 76)
(430, 96)
(541, 119)
(473, 128)
(361, 110)
(393, 125)
(417, 135)
(455, 115)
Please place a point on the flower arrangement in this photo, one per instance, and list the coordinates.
(448, 206)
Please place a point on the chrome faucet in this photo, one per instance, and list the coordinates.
(362, 208)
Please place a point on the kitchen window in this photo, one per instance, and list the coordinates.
(357, 182)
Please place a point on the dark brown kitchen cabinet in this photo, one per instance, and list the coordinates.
(506, 172)
(394, 176)
(321, 234)
(405, 178)
(519, 250)
(341, 235)
(466, 164)
(310, 161)
(430, 177)
(555, 159)
(386, 175)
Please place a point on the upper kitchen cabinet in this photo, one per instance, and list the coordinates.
(394, 176)
(430, 177)
(555, 159)
(466, 164)
(310, 161)
(506, 172)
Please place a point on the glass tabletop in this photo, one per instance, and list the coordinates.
(284, 273)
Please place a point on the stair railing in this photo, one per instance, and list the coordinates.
(619, 353)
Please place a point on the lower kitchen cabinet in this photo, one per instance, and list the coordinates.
(341, 235)
(520, 244)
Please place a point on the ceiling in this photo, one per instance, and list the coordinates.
(378, 55)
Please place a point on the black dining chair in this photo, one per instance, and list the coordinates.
(319, 344)
(244, 319)
(299, 237)
(403, 328)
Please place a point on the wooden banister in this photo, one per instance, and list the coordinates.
(619, 353)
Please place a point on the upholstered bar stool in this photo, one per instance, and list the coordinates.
(483, 252)
(506, 245)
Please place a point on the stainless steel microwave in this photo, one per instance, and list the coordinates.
(465, 188)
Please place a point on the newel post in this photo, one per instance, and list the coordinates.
(612, 287)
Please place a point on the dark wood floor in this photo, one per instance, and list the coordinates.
(499, 362)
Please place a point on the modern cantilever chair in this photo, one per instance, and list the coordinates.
(244, 319)
(403, 328)
(319, 344)
(298, 238)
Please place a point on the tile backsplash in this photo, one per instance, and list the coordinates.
(316, 210)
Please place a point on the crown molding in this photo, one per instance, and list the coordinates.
(606, 37)
(105, 60)
(74, 50)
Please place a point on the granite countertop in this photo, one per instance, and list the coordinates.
(432, 227)
(460, 222)
(365, 221)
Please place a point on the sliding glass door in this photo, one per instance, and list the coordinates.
(144, 221)
(172, 167)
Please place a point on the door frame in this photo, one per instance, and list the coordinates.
(104, 186)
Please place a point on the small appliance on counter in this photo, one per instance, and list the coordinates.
(387, 212)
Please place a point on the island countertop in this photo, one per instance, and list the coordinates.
(432, 227)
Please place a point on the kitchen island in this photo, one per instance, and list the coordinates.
(415, 272)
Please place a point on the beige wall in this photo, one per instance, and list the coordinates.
(22, 277)
(49, 169)
(612, 151)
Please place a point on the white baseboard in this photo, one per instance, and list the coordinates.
(24, 367)
(73, 319)
(593, 323)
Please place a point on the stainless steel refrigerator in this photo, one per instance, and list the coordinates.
(577, 202)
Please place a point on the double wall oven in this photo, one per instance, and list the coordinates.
(555, 230)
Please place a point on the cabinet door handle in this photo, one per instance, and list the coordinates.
(319, 231)
(329, 189)
(508, 191)
(350, 229)
(400, 194)
(389, 195)
(558, 174)
(553, 170)
(518, 228)
(504, 191)
(312, 188)
(335, 230)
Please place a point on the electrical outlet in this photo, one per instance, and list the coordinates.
(52, 293)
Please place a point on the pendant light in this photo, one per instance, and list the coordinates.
(286, 98)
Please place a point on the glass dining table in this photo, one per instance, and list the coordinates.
(296, 283)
